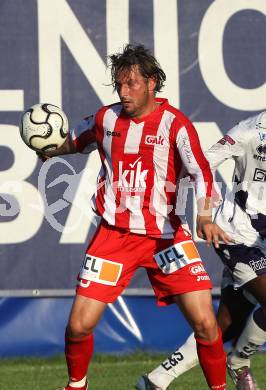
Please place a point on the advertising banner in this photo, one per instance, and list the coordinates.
(213, 54)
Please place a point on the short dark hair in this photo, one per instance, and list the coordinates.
(149, 67)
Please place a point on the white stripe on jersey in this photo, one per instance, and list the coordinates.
(99, 185)
(133, 137)
(190, 162)
(136, 219)
(109, 120)
(160, 161)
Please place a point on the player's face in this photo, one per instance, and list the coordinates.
(135, 92)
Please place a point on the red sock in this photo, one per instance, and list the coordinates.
(78, 352)
(212, 359)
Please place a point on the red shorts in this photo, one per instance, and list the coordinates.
(173, 265)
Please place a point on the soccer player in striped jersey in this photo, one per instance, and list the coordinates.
(243, 217)
(145, 145)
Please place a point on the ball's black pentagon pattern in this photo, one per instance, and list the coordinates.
(44, 127)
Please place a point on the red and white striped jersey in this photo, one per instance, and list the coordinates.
(142, 163)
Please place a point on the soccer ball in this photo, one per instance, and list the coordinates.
(44, 127)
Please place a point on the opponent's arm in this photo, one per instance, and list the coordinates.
(231, 145)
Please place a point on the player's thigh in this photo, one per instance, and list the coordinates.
(84, 315)
(176, 268)
(197, 308)
(110, 262)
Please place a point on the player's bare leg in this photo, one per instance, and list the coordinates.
(84, 316)
(234, 309)
(198, 310)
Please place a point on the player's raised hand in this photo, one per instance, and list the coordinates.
(211, 232)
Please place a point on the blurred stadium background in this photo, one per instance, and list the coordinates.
(214, 55)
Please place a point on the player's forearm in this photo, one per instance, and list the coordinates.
(205, 206)
(204, 215)
(207, 191)
(206, 228)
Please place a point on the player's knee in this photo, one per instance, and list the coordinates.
(206, 328)
(79, 327)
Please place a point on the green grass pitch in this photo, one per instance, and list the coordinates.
(106, 373)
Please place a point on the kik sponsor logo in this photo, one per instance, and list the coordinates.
(133, 179)
(99, 270)
(177, 256)
(154, 140)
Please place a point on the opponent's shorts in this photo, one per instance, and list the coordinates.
(243, 263)
(228, 280)
(173, 265)
(240, 227)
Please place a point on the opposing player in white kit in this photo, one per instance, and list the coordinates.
(243, 216)
(145, 144)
